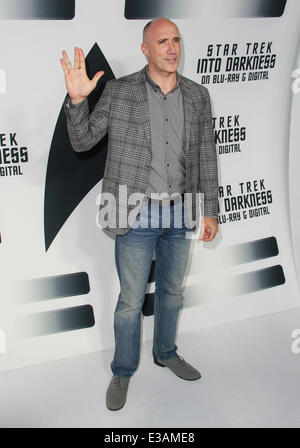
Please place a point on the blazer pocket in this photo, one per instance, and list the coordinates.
(198, 115)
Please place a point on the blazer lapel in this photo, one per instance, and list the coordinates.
(188, 110)
(142, 100)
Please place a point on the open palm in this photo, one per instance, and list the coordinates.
(78, 84)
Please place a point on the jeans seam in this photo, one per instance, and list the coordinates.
(156, 311)
(136, 343)
(159, 327)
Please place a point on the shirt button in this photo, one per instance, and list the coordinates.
(168, 164)
(170, 186)
(165, 97)
(167, 119)
(167, 143)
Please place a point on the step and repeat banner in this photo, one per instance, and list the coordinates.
(59, 286)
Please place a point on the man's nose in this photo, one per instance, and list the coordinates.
(171, 47)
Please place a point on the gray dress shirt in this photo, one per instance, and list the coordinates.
(167, 172)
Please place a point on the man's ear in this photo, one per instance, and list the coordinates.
(144, 49)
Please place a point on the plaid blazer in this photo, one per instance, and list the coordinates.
(122, 111)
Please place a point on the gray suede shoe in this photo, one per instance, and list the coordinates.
(181, 368)
(117, 392)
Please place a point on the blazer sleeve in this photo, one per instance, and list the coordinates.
(87, 129)
(209, 184)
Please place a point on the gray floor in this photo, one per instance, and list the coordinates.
(251, 378)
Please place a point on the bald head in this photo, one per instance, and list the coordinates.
(155, 25)
(161, 46)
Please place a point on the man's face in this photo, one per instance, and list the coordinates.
(162, 47)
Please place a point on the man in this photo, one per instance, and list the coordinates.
(161, 141)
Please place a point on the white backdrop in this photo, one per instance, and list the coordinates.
(252, 257)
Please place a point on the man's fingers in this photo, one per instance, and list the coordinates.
(76, 58)
(67, 61)
(97, 76)
(64, 66)
(208, 233)
(81, 58)
(202, 234)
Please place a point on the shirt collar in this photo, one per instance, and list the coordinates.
(156, 86)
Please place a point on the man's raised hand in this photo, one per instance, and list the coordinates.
(78, 84)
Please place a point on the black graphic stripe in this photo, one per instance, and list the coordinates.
(235, 255)
(54, 287)
(37, 9)
(252, 250)
(266, 8)
(57, 321)
(148, 9)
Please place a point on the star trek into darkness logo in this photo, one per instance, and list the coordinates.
(236, 63)
(244, 201)
(230, 134)
(12, 155)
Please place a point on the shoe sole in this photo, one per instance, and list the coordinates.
(182, 377)
(115, 409)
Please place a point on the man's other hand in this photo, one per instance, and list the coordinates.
(209, 229)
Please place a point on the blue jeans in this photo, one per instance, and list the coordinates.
(133, 256)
